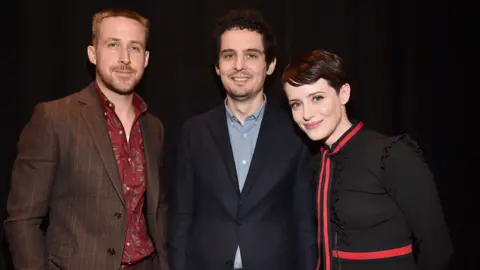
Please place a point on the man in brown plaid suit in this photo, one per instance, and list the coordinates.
(92, 163)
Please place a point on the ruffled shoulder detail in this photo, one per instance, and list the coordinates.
(395, 140)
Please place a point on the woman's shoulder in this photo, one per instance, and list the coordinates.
(374, 142)
(372, 137)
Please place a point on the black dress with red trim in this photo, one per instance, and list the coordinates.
(377, 205)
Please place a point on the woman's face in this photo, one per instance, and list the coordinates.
(318, 109)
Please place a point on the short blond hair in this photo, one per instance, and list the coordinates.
(118, 12)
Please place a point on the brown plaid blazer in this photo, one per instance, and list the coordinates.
(66, 170)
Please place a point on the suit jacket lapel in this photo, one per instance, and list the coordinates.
(93, 115)
(256, 184)
(218, 127)
(150, 146)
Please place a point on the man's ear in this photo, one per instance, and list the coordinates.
(91, 54)
(147, 56)
(271, 67)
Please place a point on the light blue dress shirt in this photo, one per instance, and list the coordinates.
(243, 139)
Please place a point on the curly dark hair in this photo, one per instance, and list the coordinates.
(248, 19)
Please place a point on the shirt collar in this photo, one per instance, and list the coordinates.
(137, 102)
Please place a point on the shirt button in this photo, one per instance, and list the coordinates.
(121, 132)
(111, 251)
(244, 135)
(244, 162)
(118, 215)
(129, 244)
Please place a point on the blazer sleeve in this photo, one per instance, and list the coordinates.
(162, 216)
(304, 210)
(32, 179)
(411, 183)
(182, 204)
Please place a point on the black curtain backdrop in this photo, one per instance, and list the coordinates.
(397, 53)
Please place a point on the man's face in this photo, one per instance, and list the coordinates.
(241, 66)
(120, 54)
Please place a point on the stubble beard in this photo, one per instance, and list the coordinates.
(241, 95)
(120, 88)
(117, 86)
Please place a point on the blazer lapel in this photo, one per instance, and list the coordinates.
(257, 185)
(93, 115)
(218, 127)
(228, 190)
(150, 146)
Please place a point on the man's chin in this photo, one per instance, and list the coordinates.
(123, 92)
(123, 89)
(239, 95)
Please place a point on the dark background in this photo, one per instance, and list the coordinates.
(397, 53)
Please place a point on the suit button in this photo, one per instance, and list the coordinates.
(111, 251)
(239, 221)
(118, 215)
(229, 263)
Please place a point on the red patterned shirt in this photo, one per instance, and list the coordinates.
(131, 167)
